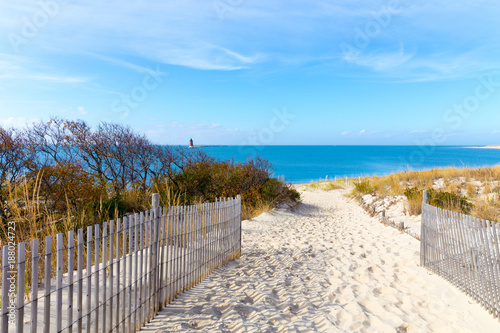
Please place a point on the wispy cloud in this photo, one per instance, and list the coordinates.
(17, 122)
(122, 63)
(191, 34)
(380, 62)
(27, 70)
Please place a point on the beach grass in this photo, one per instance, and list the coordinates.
(478, 186)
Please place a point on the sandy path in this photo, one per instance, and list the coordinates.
(326, 267)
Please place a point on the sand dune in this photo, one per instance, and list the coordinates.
(326, 267)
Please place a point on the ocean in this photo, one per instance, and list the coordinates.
(303, 164)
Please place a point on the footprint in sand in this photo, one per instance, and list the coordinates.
(247, 300)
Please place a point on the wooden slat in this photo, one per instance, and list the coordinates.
(202, 240)
(460, 226)
(79, 302)
(467, 255)
(496, 240)
(187, 240)
(218, 232)
(118, 275)
(213, 234)
(21, 275)
(474, 254)
(71, 270)
(479, 275)
(59, 280)
(89, 277)
(189, 245)
(111, 272)
(495, 277)
(154, 258)
(46, 306)
(124, 274)
(130, 277)
(34, 286)
(141, 264)
(198, 244)
(171, 254)
(184, 248)
(136, 263)
(177, 237)
(206, 240)
(162, 265)
(158, 262)
(239, 223)
(96, 277)
(491, 292)
(149, 262)
(455, 271)
(104, 273)
(5, 290)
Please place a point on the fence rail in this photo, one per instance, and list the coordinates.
(126, 270)
(464, 250)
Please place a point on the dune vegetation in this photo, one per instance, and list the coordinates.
(474, 191)
(62, 175)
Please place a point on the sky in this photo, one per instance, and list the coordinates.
(346, 72)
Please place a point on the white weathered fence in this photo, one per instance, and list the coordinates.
(133, 267)
(464, 250)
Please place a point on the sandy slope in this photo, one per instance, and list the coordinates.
(326, 267)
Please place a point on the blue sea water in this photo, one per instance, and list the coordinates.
(301, 164)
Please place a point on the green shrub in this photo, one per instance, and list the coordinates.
(450, 201)
(441, 199)
(109, 209)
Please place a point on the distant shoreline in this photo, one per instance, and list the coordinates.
(485, 147)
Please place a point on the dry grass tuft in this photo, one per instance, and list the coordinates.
(479, 186)
(326, 185)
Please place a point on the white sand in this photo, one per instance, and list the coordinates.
(326, 267)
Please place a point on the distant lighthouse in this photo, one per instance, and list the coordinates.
(191, 143)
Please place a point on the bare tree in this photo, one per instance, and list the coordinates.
(50, 142)
(14, 158)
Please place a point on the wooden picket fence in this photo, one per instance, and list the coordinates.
(465, 251)
(126, 270)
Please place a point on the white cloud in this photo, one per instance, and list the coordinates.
(190, 33)
(345, 133)
(380, 62)
(17, 122)
(81, 110)
(363, 131)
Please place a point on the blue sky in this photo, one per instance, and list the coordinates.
(258, 72)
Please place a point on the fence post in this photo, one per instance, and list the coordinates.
(423, 238)
(155, 200)
(155, 203)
